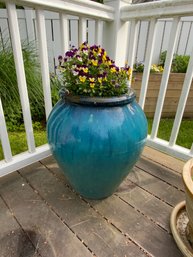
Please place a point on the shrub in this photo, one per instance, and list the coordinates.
(162, 58)
(9, 88)
(179, 62)
(138, 67)
(55, 87)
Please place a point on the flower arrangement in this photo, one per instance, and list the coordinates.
(88, 71)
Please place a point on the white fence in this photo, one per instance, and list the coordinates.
(118, 34)
(28, 32)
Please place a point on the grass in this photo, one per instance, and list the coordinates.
(185, 137)
(19, 144)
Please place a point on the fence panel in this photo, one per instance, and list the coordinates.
(183, 47)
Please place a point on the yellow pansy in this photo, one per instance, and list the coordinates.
(100, 80)
(85, 70)
(113, 69)
(100, 50)
(161, 69)
(122, 71)
(129, 71)
(92, 85)
(82, 78)
(94, 62)
(104, 58)
(92, 79)
(84, 45)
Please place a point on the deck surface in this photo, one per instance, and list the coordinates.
(41, 215)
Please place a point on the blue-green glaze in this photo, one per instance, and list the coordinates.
(96, 146)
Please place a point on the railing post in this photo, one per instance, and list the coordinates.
(64, 30)
(115, 33)
(43, 53)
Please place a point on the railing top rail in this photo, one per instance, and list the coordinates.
(73, 7)
(160, 9)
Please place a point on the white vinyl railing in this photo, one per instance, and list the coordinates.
(154, 11)
(116, 29)
(81, 8)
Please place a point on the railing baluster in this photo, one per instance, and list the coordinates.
(134, 29)
(191, 150)
(165, 76)
(64, 31)
(19, 65)
(43, 53)
(4, 136)
(98, 32)
(148, 60)
(182, 102)
(82, 30)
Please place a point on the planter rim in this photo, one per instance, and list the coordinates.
(101, 101)
(187, 176)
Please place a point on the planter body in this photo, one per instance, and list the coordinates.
(188, 182)
(96, 144)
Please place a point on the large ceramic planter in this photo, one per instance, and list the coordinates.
(96, 141)
(188, 183)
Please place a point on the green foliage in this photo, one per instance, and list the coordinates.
(2, 5)
(179, 62)
(162, 58)
(139, 67)
(19, 144)
(16, 127)
(9, 89)
(89, 71)
(55, 87)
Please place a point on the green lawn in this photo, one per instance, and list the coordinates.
(19, 144)
(185, 137)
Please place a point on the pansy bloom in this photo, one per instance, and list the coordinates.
(89, 71)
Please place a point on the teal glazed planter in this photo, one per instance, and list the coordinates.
(96, 141)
